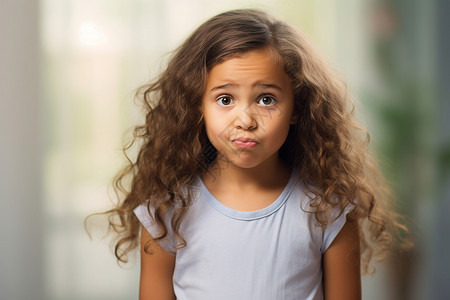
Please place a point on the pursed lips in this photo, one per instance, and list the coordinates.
(245, 142)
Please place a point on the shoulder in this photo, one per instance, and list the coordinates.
(330, 224)
(147, 211)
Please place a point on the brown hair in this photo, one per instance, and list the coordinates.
(326, 146)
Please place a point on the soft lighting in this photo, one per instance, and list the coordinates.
(90, 35)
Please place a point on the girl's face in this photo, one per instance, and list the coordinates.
(248, 107)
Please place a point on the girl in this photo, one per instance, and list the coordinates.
(252, 180)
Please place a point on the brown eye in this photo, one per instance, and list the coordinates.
(225, 101)
(266, 101)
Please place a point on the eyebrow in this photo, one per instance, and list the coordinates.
(271, 86)
(231, 85)
(222, 87)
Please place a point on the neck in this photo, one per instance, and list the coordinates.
(273, 172)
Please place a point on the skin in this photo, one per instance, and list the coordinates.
(341, 265)
(156, 271)
(248, 108)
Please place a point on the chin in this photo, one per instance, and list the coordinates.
(245, 163)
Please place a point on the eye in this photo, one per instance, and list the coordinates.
(225, 101)
(267, 101)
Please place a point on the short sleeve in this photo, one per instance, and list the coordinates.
(147, 220)
(333, 228)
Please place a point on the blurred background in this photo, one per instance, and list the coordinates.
(69, 70)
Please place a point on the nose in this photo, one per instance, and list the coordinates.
(245, 120)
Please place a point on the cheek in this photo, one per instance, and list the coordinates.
(279, 130)
(213, 127)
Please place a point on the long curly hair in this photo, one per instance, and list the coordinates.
(326, 145)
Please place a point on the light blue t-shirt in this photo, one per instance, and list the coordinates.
(271, 254)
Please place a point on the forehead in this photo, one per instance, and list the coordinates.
(255, 66)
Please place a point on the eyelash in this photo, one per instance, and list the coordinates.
(272, 99)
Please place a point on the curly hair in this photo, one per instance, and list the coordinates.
(326, 145)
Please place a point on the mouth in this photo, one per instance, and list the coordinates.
(245, 142)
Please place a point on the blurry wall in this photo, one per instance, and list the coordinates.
(21, 250)
(439, 267)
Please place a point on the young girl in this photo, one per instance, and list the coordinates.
(252, 180)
